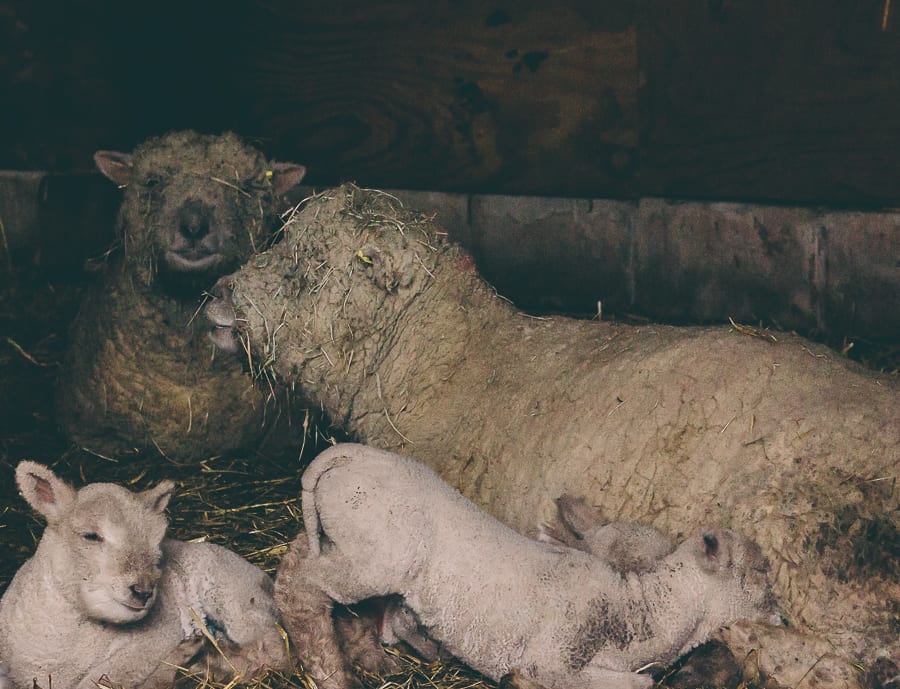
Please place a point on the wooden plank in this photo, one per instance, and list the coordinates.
(461, 96)
(795, 101)
(726, 99)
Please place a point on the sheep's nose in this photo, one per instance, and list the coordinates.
(193, 220)
(141, 593)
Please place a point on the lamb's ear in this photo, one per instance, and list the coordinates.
(286, 176)
(716, 550)
(43, 490)
(577, 514)
(115, 165)
(157, 498)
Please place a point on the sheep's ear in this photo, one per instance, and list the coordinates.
(43, 490)
(157, 498)
(286, 176)
(116, 166)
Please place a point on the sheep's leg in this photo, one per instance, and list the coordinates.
(267, 651)
(591, 677)
(160, 677)
(361, 641)
(596, 677)
(306, 612)
(400, 624)
(337, 575)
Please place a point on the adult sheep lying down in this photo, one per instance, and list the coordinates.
(141, 373)
(389, 328)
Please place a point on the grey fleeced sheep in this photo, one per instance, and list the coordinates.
(381, 524)
(141, 371)
(107, 594)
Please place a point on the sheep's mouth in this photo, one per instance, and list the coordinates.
(193, 260)
(115, 611)
(137, 608)
(135, 611)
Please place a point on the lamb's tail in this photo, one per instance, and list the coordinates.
(336, 455)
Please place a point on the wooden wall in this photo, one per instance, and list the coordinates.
(719, 99)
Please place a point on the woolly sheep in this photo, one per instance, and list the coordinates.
(497, 600)
(107, 594)
(140, 371)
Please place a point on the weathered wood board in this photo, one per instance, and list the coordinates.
(727, 99)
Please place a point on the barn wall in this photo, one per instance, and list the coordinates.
(724, 99)
(817, 270)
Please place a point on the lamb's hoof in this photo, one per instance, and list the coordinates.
(219, 312)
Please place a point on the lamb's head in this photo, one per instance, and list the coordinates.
(102, 544)
(735, 577)
(195, 205)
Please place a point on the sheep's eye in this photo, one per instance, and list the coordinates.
(92, 536)
(152, 182)
(255, 184)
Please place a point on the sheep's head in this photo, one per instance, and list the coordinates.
(195, 205)
(737, 575)
(103, 543)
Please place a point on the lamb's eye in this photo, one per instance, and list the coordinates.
(152, 182)
(92, 536)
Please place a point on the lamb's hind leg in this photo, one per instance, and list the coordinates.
(306, 613)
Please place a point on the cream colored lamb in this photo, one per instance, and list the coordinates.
(106, 594)
(380, 524)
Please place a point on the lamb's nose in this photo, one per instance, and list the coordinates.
(193, 220)
(194, 226)
(141, 593)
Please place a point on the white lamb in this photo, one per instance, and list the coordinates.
(106, 594)
(380, 524)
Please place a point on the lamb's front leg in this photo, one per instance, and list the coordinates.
(595, 676)
(590, 677)
(306, 613)
(162, 674)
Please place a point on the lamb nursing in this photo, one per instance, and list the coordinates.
(380, 524)
(107, 594)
